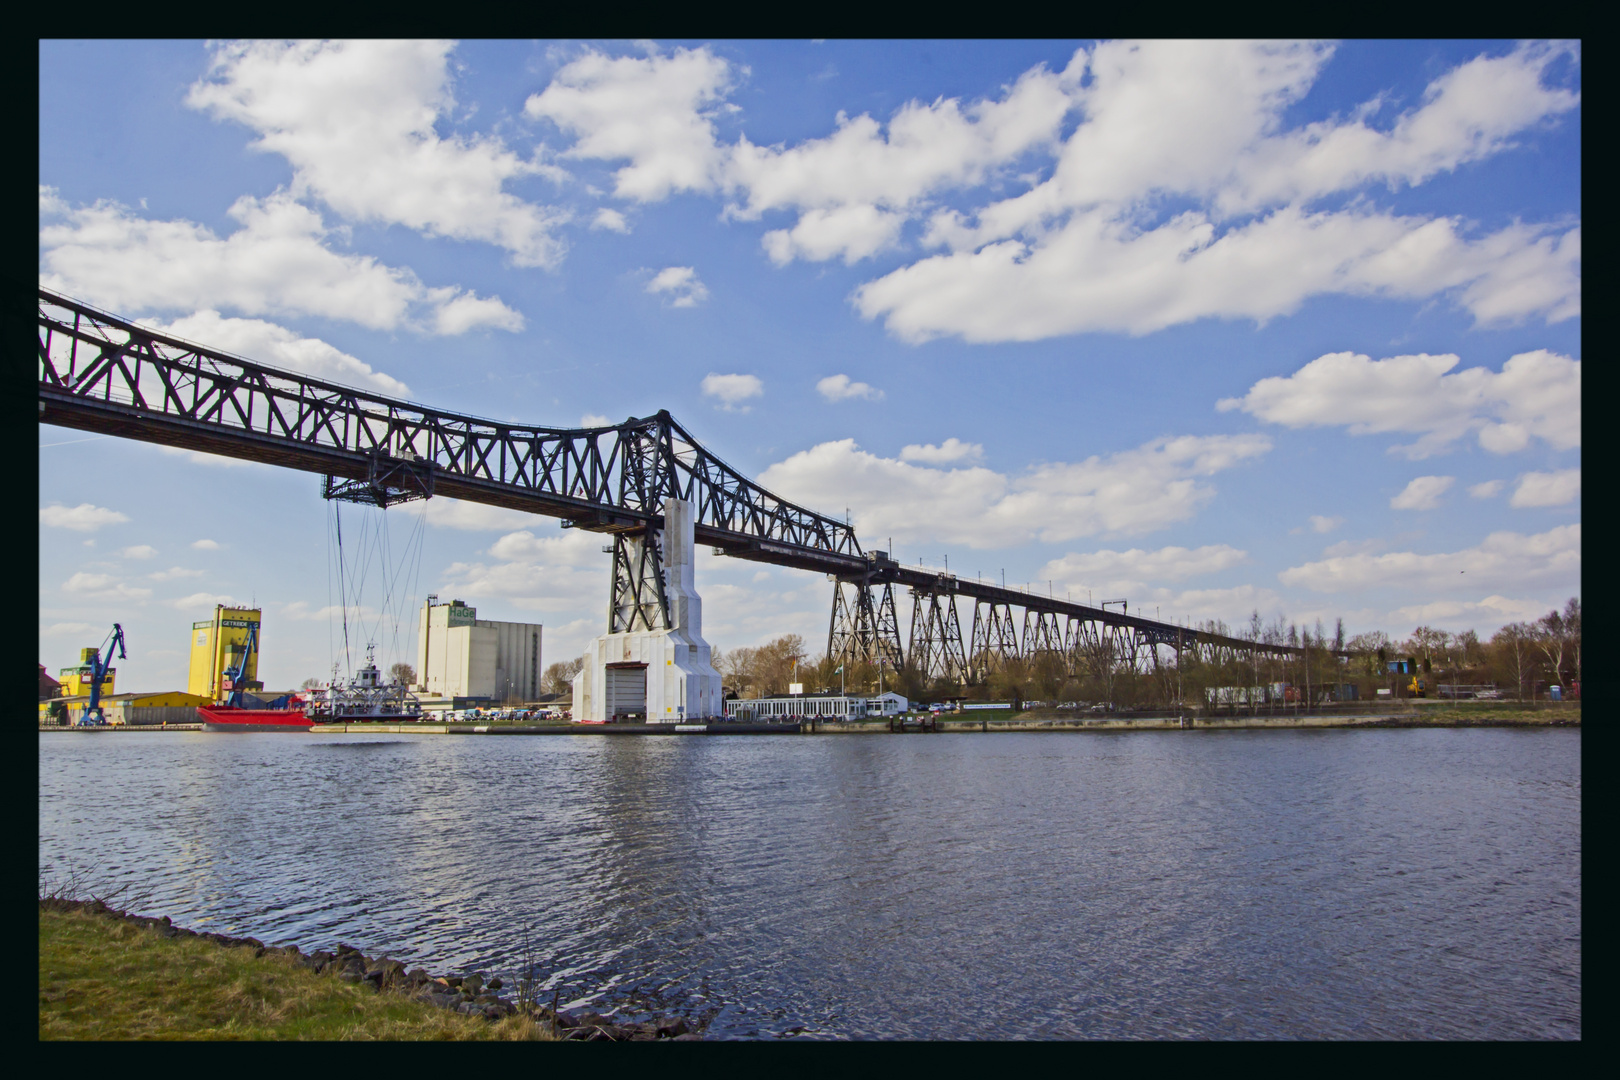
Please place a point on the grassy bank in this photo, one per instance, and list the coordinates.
(102, 978)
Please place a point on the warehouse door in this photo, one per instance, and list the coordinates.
(626, 692)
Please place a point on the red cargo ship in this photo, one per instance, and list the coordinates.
(235, 718)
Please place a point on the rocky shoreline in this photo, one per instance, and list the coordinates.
(469, 994)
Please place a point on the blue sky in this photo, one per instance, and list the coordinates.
(1218, 327)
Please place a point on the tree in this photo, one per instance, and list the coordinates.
(1572, 628)
(402, 673)
(736, 668)
(311, 684)
(559, 677)
(1511, 647)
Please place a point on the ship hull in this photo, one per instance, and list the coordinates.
(225, 718)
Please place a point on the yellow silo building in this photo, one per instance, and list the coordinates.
(218, 643)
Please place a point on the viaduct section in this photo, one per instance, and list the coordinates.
(104, 374)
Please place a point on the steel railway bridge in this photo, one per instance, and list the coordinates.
(104, 374)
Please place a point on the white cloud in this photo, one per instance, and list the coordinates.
(657, 112)
(356, 121)
(255, 339)
(839, 388)
(611, 220)
(82, 518)
(1535, 395)
(102, 587)
(1117, 571)
(594, 420)
(70, 629)
(276, 263)
(1423, 493)
(952, 449)
(447, 513)
(553, 573)
(1493, 612)
(200, 601)
(1099, 273)
(1547, 489)
(682, 283)
(1323, 524)
(202, 457)
(205, 545)
(1134, 491)
(732, 390)
(139, 551)
(1503, 562)
(1487, 490)
(1200, 123)
(174, 573)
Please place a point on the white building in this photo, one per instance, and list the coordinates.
(659, 676)
(823, 706)
(460, 655)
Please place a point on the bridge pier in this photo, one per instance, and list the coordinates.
(652, 664)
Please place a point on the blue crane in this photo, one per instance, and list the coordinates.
(98, 671)
(234, 678)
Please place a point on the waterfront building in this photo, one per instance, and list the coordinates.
(75, 681)
(795, 706)
(459, 655)
(232, 638)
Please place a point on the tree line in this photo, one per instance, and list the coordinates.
(1521, 660)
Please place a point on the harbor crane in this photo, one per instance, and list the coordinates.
(98, 671)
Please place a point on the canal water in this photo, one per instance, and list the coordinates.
(1349, 884)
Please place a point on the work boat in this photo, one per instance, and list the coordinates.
(366, 697)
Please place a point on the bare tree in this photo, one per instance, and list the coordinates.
(1512, 645)
(402, 673)
(559, 677)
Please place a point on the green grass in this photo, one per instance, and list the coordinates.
(101, 978)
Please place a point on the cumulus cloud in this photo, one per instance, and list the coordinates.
(139, 551)
(1117, 571)
(446, 513)
(537, 573)
(1504, 562)
(1202, 122)
(1547, 489)
(682, 285)
(1131, 492)
(205, 545)
(174, 573)
(594, 420)
(839, 388)
(1423, 493)
(255, 339)
(1487, 490)
(1274, 213)
(70, 629)
(102, 587)
(1323, 524)
(611, 220)
(952, 449)
(201, 601)
(356, 120)
(732, 390)
(1484, 615)
(1536, 395)
(656, 112)
(86, 517)
(276, 263)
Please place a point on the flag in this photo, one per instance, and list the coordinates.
(839, 668)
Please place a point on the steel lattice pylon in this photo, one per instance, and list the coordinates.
(864, 632)
(936, 636)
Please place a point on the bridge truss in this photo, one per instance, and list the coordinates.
(105, 374)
